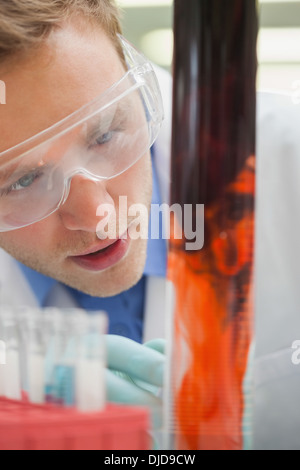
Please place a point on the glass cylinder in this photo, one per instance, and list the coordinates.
(213, 166)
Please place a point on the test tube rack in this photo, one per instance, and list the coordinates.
(26, 426)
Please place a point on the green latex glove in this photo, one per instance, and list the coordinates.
(135, 373)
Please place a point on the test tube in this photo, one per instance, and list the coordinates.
(213, 164)
(35, 347)
(54, 355)
(2, 359)
(75, 358)
(60, 365)
(90, 376)
(10, 371)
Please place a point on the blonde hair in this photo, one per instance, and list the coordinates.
(26, 23)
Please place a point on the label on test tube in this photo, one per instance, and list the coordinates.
(90, 370)
(90, 389)
(12, 375)
(33, 345)
(36, 365)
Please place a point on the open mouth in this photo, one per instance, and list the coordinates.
(103, 250)
(103, 258)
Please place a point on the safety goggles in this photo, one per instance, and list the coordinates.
(99, 141)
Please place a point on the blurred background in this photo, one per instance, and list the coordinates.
(148, 25)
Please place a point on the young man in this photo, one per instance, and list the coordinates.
(82, 111)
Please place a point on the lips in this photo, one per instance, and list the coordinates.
(108, 255)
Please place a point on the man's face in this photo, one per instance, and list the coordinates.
(75, 66)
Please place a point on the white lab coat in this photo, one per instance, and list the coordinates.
(277, 380)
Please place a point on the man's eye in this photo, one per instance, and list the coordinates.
(24, 182)
(104, 138)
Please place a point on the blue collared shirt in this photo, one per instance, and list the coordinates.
(126, 310)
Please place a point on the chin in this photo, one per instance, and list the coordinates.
(109, 282)
(107, 287)
(109, 291)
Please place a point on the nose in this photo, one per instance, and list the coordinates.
(79, 212)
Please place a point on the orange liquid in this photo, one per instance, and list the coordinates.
(213, 335)
(213, 163)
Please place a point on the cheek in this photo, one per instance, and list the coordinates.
(135, 183)
(32, 238)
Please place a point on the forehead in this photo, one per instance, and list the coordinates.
(74, 66)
